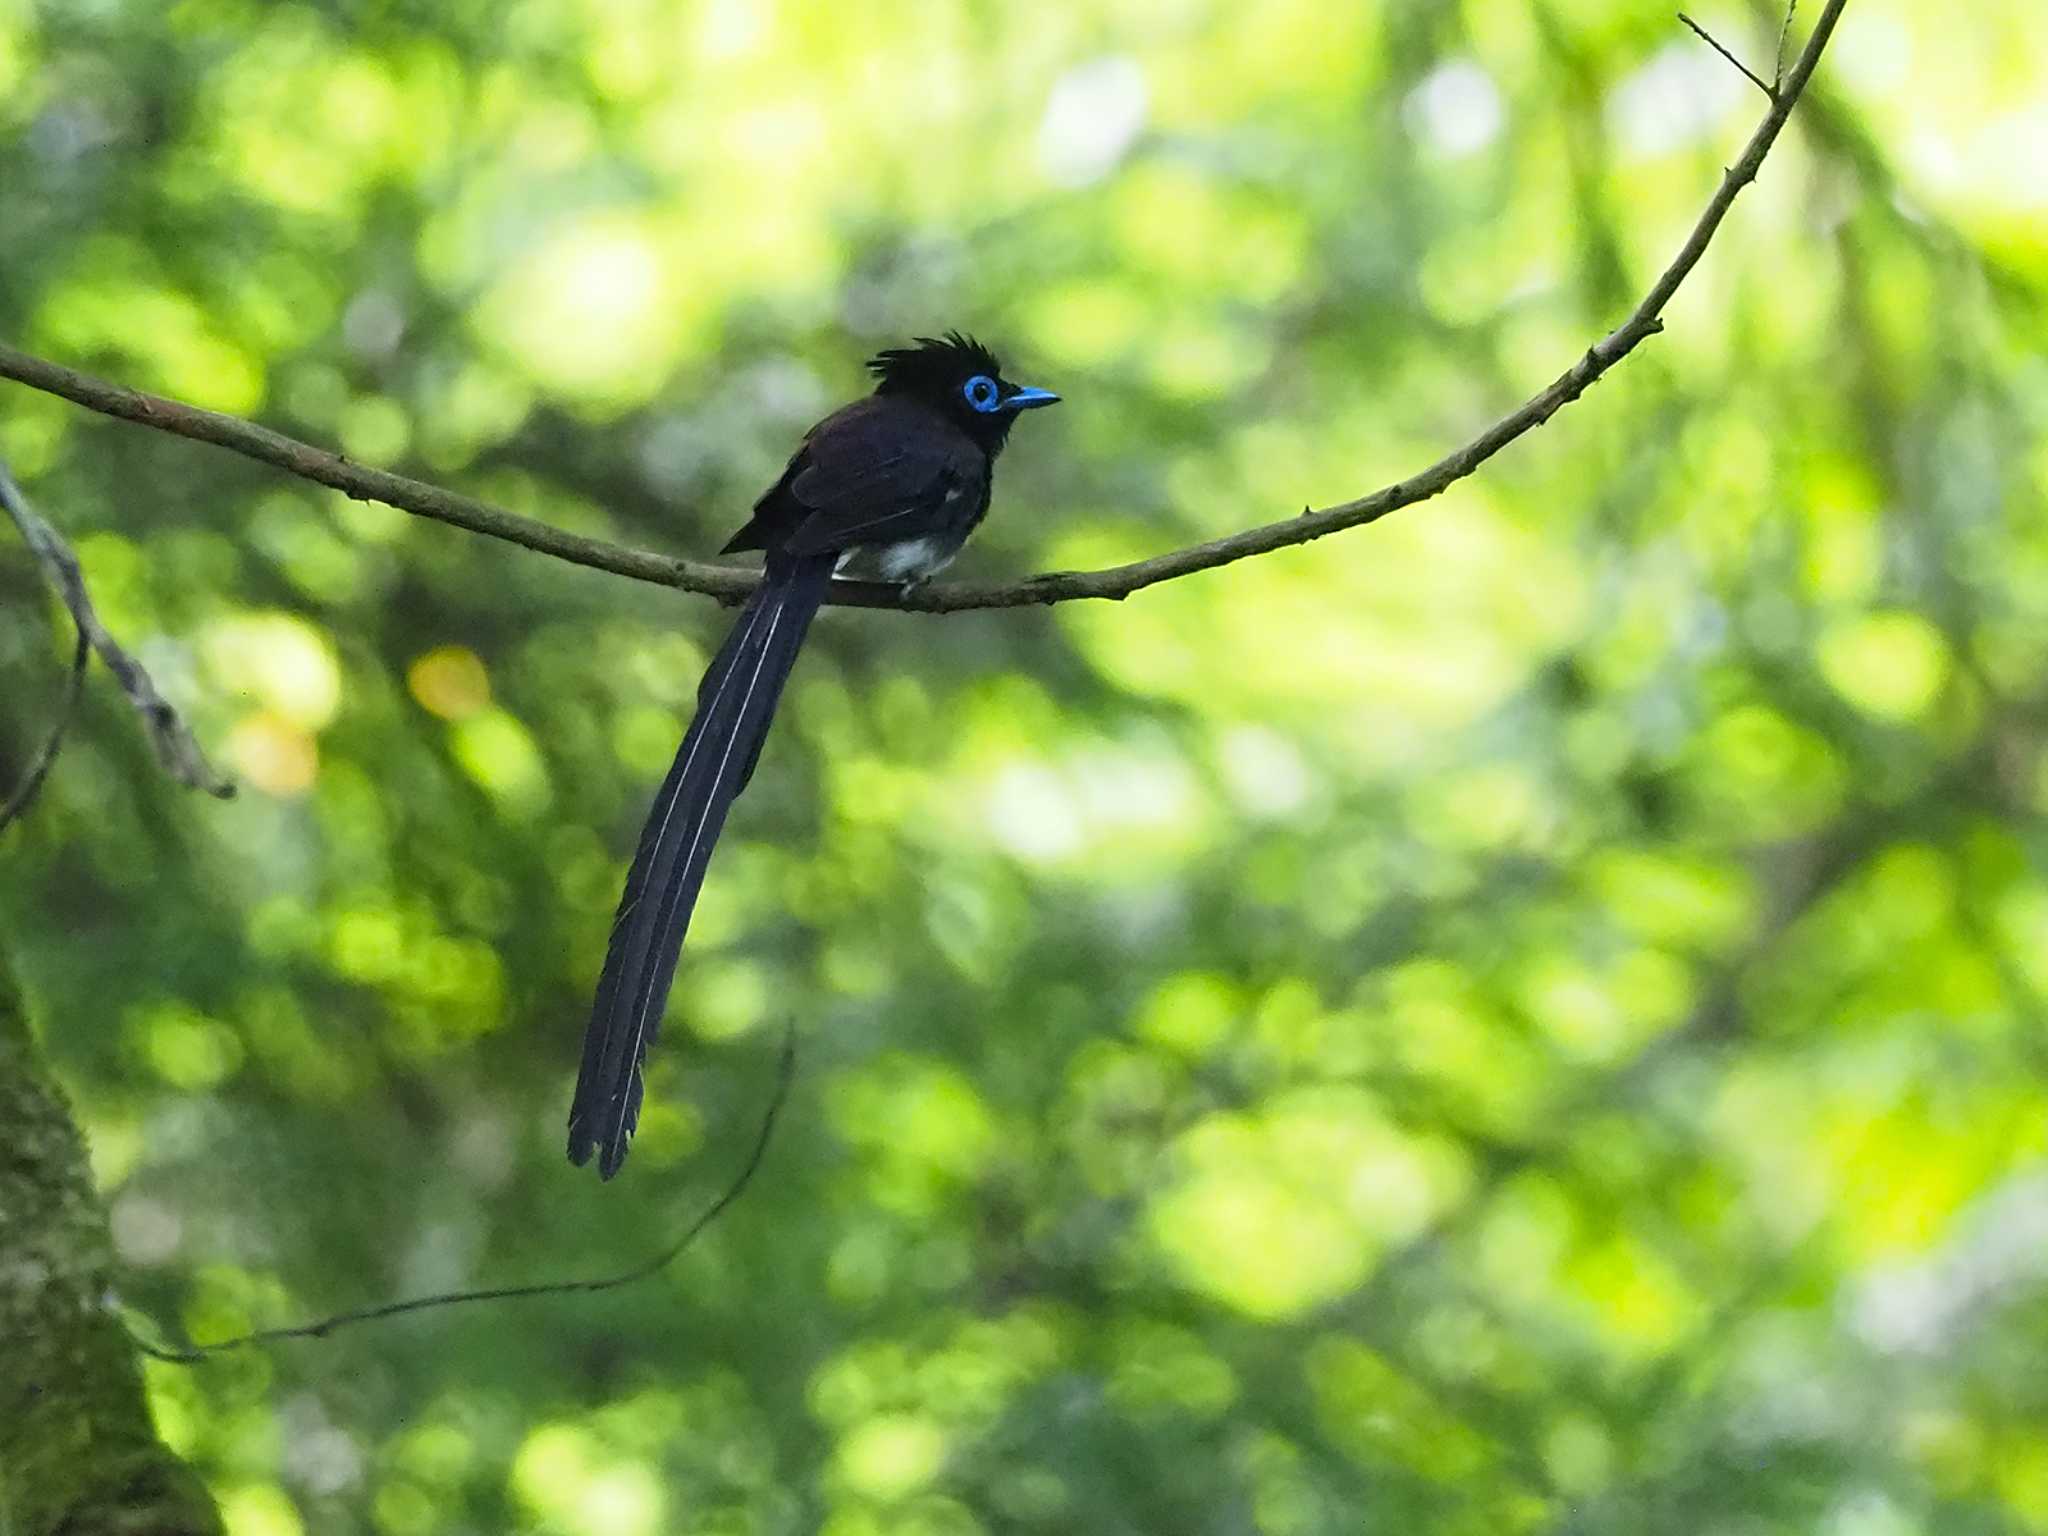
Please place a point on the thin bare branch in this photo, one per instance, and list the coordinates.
(25, 793)
(785, 1073)
(730, 584)
(175, 747)
(1784, 31)
(1770, 91)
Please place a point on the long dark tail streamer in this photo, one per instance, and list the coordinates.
(735, 703)
(785, 1074)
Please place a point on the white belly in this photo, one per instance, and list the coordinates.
(914, 559)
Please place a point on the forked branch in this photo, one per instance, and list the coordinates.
(175, 747)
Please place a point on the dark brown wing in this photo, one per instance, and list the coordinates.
(879, 470)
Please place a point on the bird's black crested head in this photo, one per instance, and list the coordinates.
(960, 378)
(933, 363)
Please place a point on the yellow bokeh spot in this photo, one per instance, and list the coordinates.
(594, 312)
(375, 429)
(579, 1485)
(1900, 1175)
(359, 103)
(1192, 1013)
(13, 57)
(174, 1404)
(1088, 321)
(1494, 805)
(892, 1454)
(259, 1509)
(1283, 1210)
(114, 1142)
(368, 944)
(284, 662)
(1844, 543)
(404, 1509)
(174, 337)
(1265, 1248)
(449, 681)
(669, 1133)
(1640, 1300)
(186, 1049)
(1890, 665)
(2022, 1477)
(1600, 1014)
(728, 998)
(1667, 895)
(273, 754)
(499, 753)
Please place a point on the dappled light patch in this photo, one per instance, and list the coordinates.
(185, 1049)
(260, 1509)
(1280, 1210)
(281, 661)
(891, 1455)
(1765, 775)
(1373, 1411)
(925, 1127)
(273, 754)
(1438, 627)
(566, 1477)
(591, 314)
(1161, 1371)
(1607, 1010)
(1447, 1029)
(1888, 664)
(178, 345)
(449, 681)
(499, 753)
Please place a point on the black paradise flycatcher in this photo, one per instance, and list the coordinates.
(899, 479)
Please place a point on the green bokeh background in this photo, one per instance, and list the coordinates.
(1528, 1017)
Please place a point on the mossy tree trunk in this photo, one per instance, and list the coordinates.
(78, 1453)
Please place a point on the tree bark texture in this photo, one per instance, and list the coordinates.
(78, 1453)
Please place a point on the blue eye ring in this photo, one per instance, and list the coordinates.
(982, 393)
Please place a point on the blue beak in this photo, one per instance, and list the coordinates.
(1026, 398)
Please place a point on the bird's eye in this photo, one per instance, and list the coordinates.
(981, 393)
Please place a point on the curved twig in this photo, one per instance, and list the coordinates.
(730, 584)
(32, 782)
(785, 1072)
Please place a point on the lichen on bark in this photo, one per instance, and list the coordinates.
(78, 1453)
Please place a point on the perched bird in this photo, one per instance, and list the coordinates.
(898, 480)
